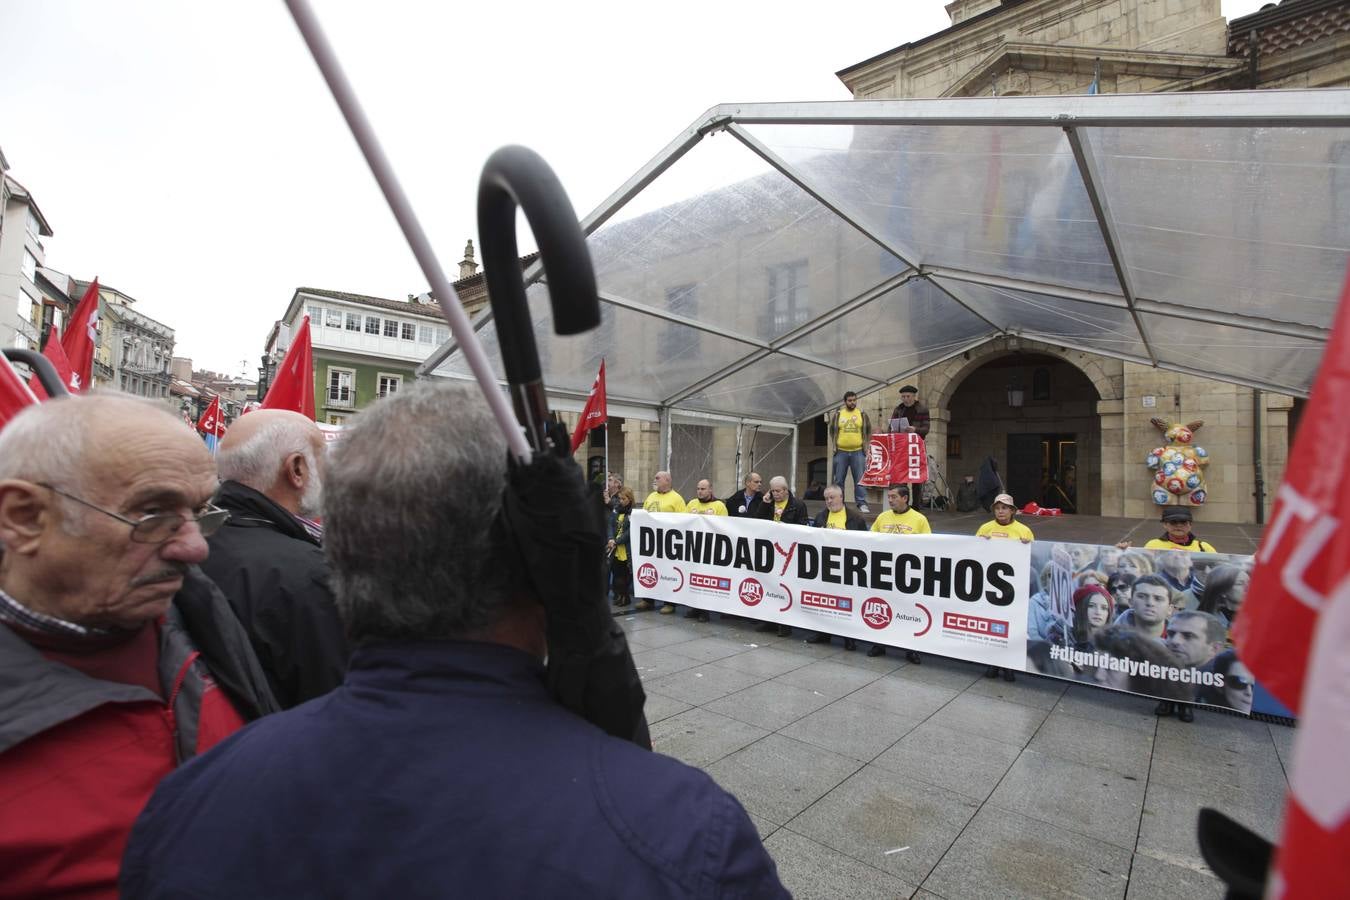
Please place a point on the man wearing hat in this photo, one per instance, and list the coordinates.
(1176, 522)
(1005, 528)
(1003, 525)
(915, 416)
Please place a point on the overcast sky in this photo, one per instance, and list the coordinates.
(189, 153)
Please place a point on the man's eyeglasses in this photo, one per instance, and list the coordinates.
(158, 528)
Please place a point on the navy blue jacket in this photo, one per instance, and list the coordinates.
(441, 768)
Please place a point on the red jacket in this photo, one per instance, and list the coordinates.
(79, 757)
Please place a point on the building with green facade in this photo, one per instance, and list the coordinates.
(364, 347)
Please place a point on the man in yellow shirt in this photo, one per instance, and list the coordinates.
(900, 519)
(851, 430)
(706, 503)
(836, 515)
(662, 499)
(1004, 527)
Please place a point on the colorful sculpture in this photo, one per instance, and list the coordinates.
(1178, 467)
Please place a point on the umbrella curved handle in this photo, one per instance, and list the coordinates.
(42, 367)
(518, 177)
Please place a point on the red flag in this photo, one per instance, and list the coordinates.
(210, 422)
(56, 355)
(596, 412)
(14, 394)
(80, 339)
(293, 386)
(1292, 629)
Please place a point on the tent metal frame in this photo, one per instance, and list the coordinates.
(1071, 115)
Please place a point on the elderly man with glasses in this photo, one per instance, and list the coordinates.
(119, 660)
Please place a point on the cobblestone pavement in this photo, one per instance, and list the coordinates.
(879, 778)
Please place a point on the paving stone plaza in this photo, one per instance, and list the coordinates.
(879, 778)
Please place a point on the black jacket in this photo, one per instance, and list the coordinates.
(853, 520)
(275, 576)
(794, 513)
(737, 508)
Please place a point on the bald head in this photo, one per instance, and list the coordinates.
(278, 453)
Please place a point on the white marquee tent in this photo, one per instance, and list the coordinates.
(775, 255)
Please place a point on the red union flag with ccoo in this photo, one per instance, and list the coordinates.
(1293, 628)
(896, 459)
(596, 412)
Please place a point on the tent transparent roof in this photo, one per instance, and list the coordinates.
(775, 255)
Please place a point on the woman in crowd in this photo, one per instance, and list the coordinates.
(1225, 589)
(1093, 611)
(1135, 562)
(1238, 684)
(620, 548)
(1119, 585)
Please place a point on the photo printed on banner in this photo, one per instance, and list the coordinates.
(1151, 622)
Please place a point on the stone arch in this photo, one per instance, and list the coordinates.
(939, 384)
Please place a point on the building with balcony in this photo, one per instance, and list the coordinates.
(22, 228)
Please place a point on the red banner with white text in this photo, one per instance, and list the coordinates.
(896, 459)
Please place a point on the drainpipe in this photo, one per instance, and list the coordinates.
(1258, 462)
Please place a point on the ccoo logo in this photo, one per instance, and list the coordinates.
(876, 613)
(646, 576)
(751, 592)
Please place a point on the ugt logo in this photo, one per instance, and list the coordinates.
(876, 613)
(751, 592)
(878, 461)
(646, 575)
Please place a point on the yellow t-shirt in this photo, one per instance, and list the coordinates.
(837, 520)
(850, 427)
(1014, 531)
(908, 522)
(620, 551)
(778, 507)
(670, 501)
(1195, 546)
(711, 508)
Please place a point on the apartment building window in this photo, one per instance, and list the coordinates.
(390, 328)
(789, 296)
(341, 387)
(425, 334)
(29, 266)
(353, 322)
(34, 226)
(389, 384)
(442, 335)
(333, 318)
(409, 331)
(315, 314)
(373, 325)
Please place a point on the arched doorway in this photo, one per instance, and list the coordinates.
(1036, 414)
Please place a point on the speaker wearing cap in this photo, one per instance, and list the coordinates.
(1005, 528)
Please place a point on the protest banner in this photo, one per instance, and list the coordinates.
(1148, 622)
(895, 459)
(956, 596)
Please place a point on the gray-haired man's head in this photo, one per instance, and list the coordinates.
(411, 493)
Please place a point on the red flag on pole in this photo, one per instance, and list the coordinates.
(14, 394)
(80, 339)
(596, 412)
(1292, 629)
(56, 355)
(210, 422)
(293, 386)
